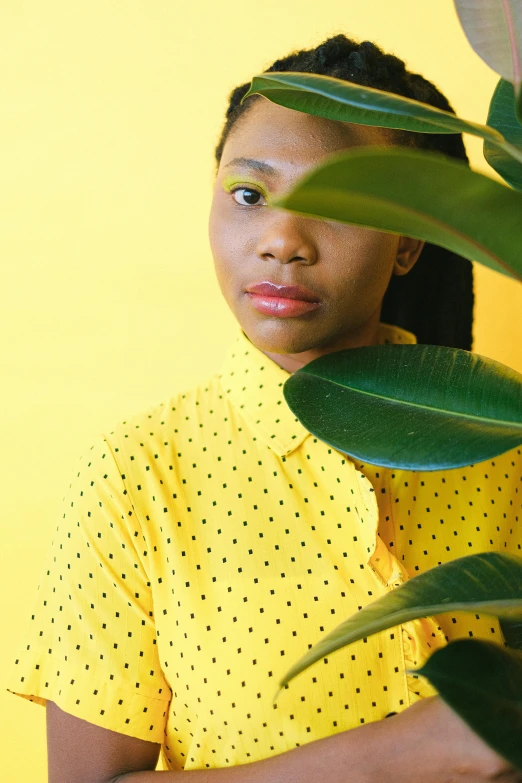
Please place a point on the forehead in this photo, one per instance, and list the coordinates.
(270, 131)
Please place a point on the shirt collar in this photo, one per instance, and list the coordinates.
(254, 385)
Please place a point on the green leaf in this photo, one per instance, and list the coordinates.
(489, 583)
(482, 682)
(494, 30)
(337, 99)
(418, 194)
(502, 117)
(416, 407)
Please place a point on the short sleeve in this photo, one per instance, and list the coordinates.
(91, 644)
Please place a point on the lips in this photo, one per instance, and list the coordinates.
(282, 301)
(268, 289)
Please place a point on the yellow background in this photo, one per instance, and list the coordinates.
(110, 112)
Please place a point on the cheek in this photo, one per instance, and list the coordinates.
(361, 278)
(375, 244)
(219, 244)
(226, 251)
(225, 240)
(374, 254)
(215, 229)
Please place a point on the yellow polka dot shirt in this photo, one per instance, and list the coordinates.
(208, 542)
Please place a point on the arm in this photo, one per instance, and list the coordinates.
(84, 753)
(427, 742)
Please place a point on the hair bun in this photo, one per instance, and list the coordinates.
(335, 50)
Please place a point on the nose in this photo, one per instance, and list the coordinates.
(287, 238)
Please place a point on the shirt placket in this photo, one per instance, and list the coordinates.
(419, 638)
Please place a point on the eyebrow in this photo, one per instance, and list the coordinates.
(252, 163)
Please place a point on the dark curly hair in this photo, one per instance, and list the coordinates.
(435, 299)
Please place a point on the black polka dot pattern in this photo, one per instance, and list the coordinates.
(208, 542)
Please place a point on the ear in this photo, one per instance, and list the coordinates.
(408, 251)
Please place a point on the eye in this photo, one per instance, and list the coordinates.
(250, 194)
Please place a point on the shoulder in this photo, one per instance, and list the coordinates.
(502, 471)
(502, 477)
(491, 489)
(151, 427)
(491, 478)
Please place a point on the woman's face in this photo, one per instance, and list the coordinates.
(344, 269)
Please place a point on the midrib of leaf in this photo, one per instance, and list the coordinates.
(517, 69)
(444, 411)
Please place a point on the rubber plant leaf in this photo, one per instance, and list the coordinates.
(488, 583)
(418, 194)
(482, 682)
(503, 118)
(415, 407)
(337, 99)
(494, 30)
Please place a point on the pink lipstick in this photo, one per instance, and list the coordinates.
(281, 300)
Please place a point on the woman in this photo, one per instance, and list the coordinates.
(209, 541)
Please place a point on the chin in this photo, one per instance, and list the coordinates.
(280, 336)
